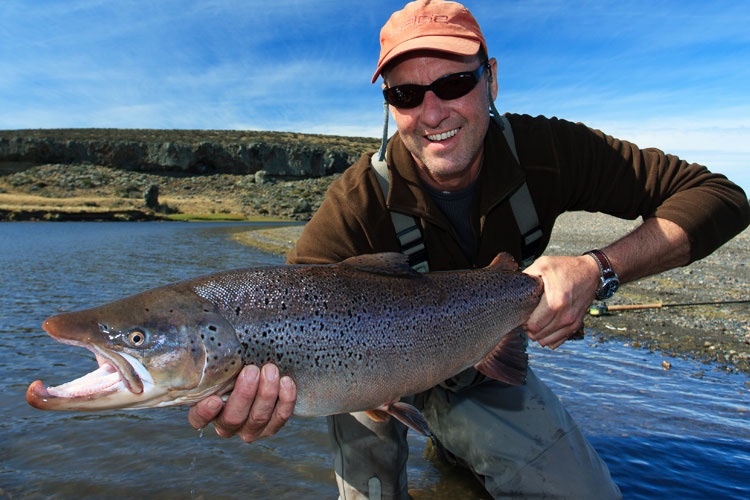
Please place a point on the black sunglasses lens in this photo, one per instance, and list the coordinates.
(404, 96)
(454, 86)
(448, 87)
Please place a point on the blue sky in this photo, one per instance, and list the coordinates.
(667, 74)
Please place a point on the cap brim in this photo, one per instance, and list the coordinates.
(449, 44)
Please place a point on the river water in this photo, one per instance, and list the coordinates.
(682, 433)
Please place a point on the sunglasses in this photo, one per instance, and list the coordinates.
(447, 87)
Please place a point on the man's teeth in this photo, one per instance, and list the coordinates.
(443, 136)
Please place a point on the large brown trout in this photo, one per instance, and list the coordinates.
(353, 336)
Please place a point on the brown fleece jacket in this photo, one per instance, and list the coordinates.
(567, 167)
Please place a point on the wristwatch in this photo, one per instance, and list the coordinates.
(610, 282)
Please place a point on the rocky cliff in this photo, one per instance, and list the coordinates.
(194, 151)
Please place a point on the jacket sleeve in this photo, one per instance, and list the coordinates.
(352, 220)
(589, 170)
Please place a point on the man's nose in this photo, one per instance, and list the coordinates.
(434, 109)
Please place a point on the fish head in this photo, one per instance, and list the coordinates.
(163, 347)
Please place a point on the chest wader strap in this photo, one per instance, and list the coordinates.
(409, 233)
(521, 204)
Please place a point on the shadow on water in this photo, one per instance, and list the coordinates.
(680, 433)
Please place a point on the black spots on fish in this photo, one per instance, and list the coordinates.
(193, 347)
(237, 311)
(212, 328)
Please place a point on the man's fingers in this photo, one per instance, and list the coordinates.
(284, 407)
(204, 412)
(559, 336)
(262, 410)
(239, 403)
(259, 405)
(265, 401)
(542, 320)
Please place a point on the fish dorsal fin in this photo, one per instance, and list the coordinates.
(508, 360)
(387, 263)
(504, 262)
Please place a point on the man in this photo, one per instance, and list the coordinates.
(451, 167)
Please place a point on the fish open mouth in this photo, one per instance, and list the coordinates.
(117, 373)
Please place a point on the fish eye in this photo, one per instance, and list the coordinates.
(136, 337)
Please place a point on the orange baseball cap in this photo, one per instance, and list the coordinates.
(429, 25)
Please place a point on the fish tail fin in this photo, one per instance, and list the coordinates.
(508, 360)
(404, 413)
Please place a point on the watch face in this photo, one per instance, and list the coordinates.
(609, 287)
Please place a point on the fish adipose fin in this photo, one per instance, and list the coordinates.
(404, 413)
(504, 262)
(387, 263)
(508, 360)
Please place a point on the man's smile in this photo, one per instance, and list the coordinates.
(443, 136)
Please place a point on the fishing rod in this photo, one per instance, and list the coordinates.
(604, 309)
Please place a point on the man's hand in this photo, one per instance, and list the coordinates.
(569, 287)
(259, 405)
(570, 282)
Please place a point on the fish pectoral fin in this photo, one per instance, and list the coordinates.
(377, 415)
(508, 360)
(404, 413)
(386, 263)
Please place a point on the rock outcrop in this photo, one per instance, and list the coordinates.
(198, 152)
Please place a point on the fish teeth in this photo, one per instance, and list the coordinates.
(443, 136)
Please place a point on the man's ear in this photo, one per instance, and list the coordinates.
(492, 80)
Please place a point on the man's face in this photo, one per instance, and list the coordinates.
(445, 137)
